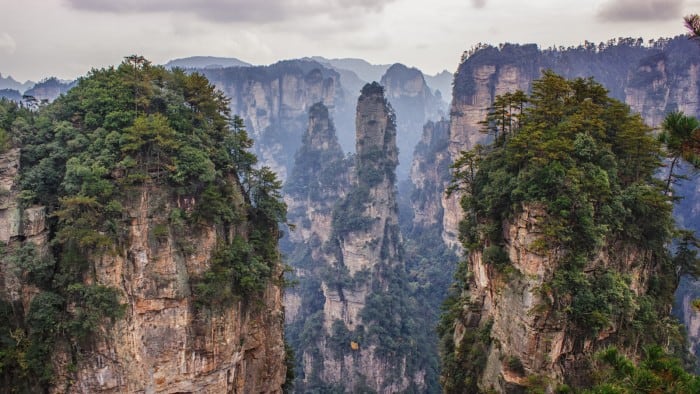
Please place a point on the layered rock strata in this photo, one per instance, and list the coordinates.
(164, 343)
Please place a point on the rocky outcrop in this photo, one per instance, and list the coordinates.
(477, 83)
(522, 321)
(165, 342)
(532, 339)
(687, 214)
(430, 175)
(652, 80)
(683, 308)
(351, 286)
(318, 180)
(144, 284)
(414, 104)
(369, 249)
(538, 343)
(274, 102)
(18, 225)
(665, 81)
(10, 213)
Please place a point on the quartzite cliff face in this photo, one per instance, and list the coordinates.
(274, 102)
(166, 343)
(166, 330)
(652, 80)
(17, 225)
(352, 293)
(430, 175)
(162, 344)
(540, 293)
(318, 180)
(414, 104)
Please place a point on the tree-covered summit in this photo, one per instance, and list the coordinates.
(588, 165)
(135, 132)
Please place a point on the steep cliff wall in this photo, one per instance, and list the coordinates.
(274, 102)
(355, 315)
(18, 225)
(534, 345)
(138, 266)
(550, 278)
(318, 180)
(166, 342)
(652, 80)
(430, 175)
(476, 85)
(414, 104)
(665, 81)
(687, 214)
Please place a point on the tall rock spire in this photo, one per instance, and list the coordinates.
(361, 336)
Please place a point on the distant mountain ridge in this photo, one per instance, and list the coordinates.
(50, 88)
(11, 94)
(206, 62)
(368, 72)
(273, 101)
(365, 70)
(441, 81)
(10, 83)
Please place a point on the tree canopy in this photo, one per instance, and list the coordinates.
(590, 165)
(119, 130)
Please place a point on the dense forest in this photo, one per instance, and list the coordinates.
(84, 159)
(603, 231)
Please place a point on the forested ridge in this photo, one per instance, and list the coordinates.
(590, 166)
(86, 155)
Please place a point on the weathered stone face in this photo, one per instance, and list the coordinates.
(319, 179)
(523, 322)
(10, 217)
(17, 225)
(652, 83)
(162, 344)
(430, 175)
(363, 254)
(274, 101)
(414, 103)
(668, 89)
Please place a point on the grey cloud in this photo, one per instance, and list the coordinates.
(479, 3)
(236, 10)
(640, 10)
(7, 43)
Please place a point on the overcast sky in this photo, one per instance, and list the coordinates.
(66, 38)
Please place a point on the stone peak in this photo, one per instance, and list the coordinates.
(371, 89)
